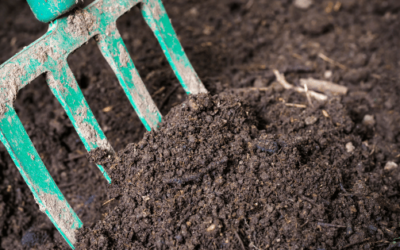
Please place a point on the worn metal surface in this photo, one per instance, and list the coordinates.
(44, 189)
(48, 10)
(156, 17)
(48, 55)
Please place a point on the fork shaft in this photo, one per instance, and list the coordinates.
(114, 51)
(156, 17)
(65, 88)
(44, 189)
(48, 10)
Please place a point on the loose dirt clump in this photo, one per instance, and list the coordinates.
(217, 175)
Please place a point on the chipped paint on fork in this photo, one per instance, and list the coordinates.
(48, 55)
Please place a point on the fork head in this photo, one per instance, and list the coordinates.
(48, 55)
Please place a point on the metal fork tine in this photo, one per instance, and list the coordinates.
(65, 88)
(44, 189)
(156, 17)
(114, 51)
(48, 55)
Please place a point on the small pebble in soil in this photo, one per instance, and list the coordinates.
(311, 120)
(328, 74)
(303, 4)
(349, 147)
(368, 120)
(390, 165)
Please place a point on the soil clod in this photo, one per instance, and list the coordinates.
(209, 178)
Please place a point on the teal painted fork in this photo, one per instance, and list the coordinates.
(48, 55)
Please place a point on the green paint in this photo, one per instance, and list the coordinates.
(48, 10)
(117, 56)
(48, 55)
(156, 17)
(35, 174)
(65, 88)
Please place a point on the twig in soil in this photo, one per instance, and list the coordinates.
(321, 224)
(305, 223)
(281, 79)
(251, 89)
(308, 95)
(168, 95)
(297, 56)
(356, 243)
(158, 91)
(65, 185)
(373, 150)
(296, 105)
(107, 109)
(253, 246)
(238, 237)
(324, 113)
(383, 242)
(327, 59)
(309, 200)
(105, 203)
(292, 104)
(324, 86)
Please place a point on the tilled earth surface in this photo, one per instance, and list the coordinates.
(232, 44)
(210, 179)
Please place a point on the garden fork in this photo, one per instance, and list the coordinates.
(48, 55)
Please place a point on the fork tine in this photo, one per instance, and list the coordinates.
(156, 17)
(65, 88)
(44, 189)
(48, 55)
(114, 51)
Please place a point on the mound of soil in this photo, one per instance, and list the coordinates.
(213, 177)
(232, 44)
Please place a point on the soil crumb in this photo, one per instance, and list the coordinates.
(217, 175)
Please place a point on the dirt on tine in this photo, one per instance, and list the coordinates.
(274, 170)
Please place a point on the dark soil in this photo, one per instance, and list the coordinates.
(209, 179)
(232, 44)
